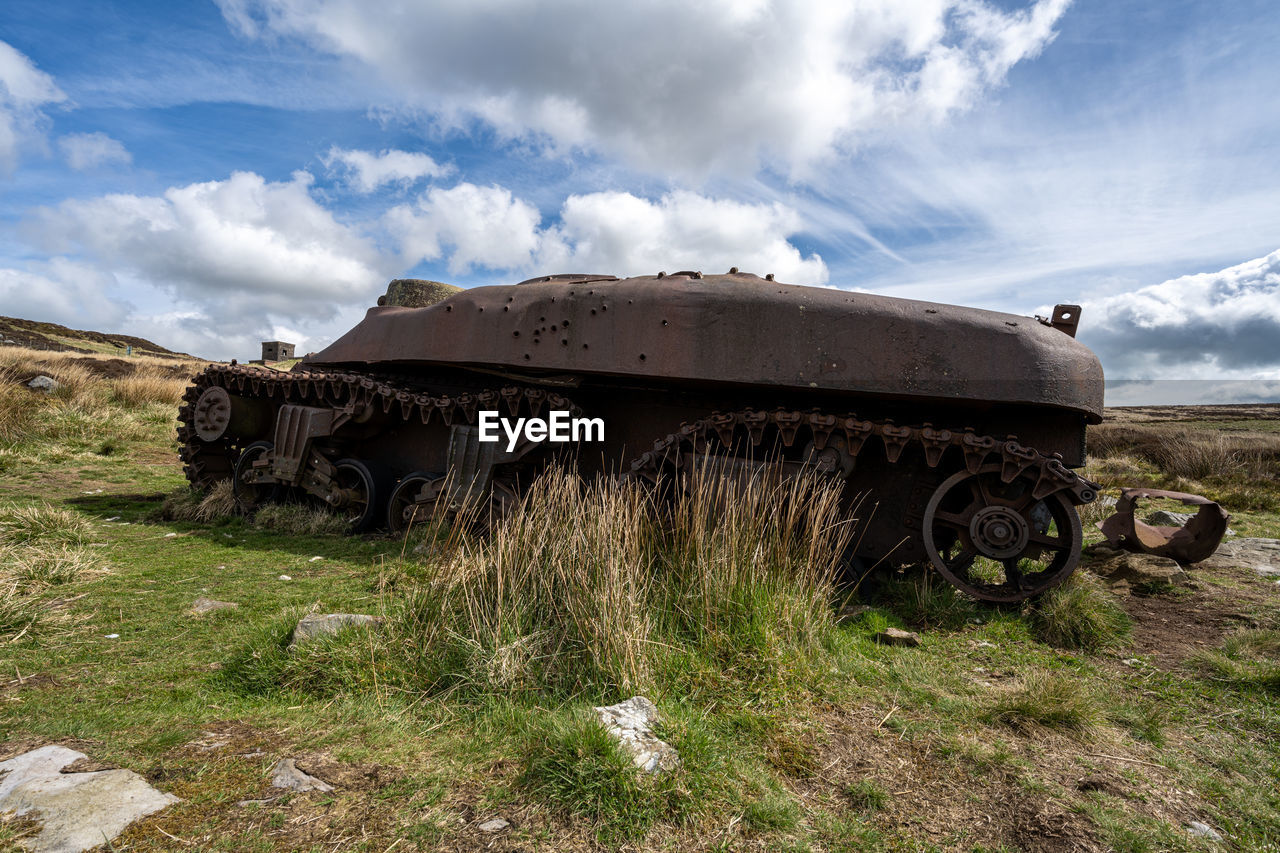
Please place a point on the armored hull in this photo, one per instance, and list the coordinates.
(961, 425)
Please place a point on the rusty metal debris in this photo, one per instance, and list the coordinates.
(1192, 542)
(962, 425)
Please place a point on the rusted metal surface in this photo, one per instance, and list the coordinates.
(1194, 541)
(740, 329)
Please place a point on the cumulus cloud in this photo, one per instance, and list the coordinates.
(85, 151)
(366, 171)
(62, 291)
(241, 247)
(672, 84)
(611, 232)
(479, 226)
(24, 90)
(1221, 325)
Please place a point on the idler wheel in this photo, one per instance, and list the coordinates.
(249, 492)
(212, 414)
(995, 541)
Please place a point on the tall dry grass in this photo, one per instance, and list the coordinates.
(596, 588)
(1242, 470)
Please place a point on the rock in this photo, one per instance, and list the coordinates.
(208, 605)
(1164, 518)
(1203, 830)
(897, 637)
(287, 775)
(1261, 555)
(46, 384)
(1139, 569)
(850, 612)
(496, 824)
(76, 811)
(322, 625)
(629, 723)
(285, 578)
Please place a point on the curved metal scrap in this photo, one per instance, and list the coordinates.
(1191, 543)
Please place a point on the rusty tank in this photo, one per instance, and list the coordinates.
(960, 427)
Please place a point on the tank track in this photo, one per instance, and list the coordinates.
(1015, 460)
(206, 463)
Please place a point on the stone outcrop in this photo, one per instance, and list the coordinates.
(75, 811)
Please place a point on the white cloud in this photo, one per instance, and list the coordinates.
(86, 151)
(367, 171)
(1222, 325)
(24, 89)
(672, 84)
(239, 248)
(62, 291)
(609, 232)
(482, 226)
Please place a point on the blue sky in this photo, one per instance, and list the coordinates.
(213, 174)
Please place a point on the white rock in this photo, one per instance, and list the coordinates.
(287, 775)
(496, 824)
(315, 559)
(170, 535)
(112, 637)
(285, 578)
(76, 811)
(629, 723)
(1203, 830)
(46, 384)
(323, 624)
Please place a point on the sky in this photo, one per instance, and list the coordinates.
(210, 175)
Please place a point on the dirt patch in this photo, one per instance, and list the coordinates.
(1168, 628)
(944, 801)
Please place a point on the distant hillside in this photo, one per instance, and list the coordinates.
(50, 336)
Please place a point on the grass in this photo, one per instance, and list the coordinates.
(1052, 701)
(472, 698)
(1080, 614)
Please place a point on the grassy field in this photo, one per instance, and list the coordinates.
(1084, 722)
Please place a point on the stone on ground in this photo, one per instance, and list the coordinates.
(630, 723)
(1203, 830)
(1261, 555)
(46, 384)
(326, 624)
(287, 775)
(76, 811)
(208, 605)
(1128, 568)
(496, 824)
(897, 637)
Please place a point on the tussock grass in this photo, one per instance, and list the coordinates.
(41, 545)
(593, 588)
(1079, 614)
(216, 505)
(42, 522)
(1248, 659)
(1050, 700)
(291, 519)
(147, 387)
